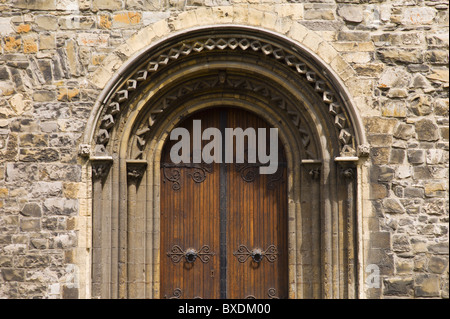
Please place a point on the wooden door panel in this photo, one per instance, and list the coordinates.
(256, 221)
(233, 211)
(189, 220)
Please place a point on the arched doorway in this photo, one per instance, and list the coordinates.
(224, 224)
(207, 68)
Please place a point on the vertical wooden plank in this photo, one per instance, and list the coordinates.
(223, 212)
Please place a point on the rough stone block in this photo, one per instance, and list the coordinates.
(13, 274)
(47, 42)
(319, 14)
(421, 104)
(384, 174)
(111, 5)
(394, 78)
(439, 75)
(401, 55)
(438, 248)
(75, 22)
(30, 224)
(60, 206)
(393, 206)
(38, 155)
(93, 39)
(379, 139)
(44, 96)
(394, 109)
(378, 125)
(398, 286)
(404, 266)
(380, 155)
(397, 156)
(12, 44)
(254, 17)
(400, 243)
(427, 286)
(414, 192)
(4, 74)
(21, 172)
(416, 156)
(435, 189)
(46, 22)
(353, 36)
(427, 130)
(35, 4)
(438, 264)
(418, 16)
(184, 20)
(126, 19)
(224, 14)
(351, 13)
(435, 156)
(150, 5)
(31, 210)
(240, 14)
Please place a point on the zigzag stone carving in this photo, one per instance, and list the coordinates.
(230, 82)
(223, 42)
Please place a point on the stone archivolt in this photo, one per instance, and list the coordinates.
(142, 75)
(236, 83)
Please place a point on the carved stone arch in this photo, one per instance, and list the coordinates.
(252, 69)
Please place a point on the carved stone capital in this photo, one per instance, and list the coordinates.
(313, 168)
(135, 170)
(314, 173)
(348, 172)
(100, 169)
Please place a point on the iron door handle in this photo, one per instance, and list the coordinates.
(176, 254)
(257, 254)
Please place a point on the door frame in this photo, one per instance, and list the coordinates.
(126, 173)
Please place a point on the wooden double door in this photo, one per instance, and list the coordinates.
(223, 225)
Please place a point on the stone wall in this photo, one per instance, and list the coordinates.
(53, 52)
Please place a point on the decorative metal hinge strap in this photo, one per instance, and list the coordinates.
(176, 294)
(176, 254)
(271, 293)
(172, 173)
(257, 254)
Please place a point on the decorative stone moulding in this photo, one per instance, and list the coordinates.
(222, 42)
(223, 81)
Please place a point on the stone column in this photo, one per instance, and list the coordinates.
(312, 207)
(101, 249)
(136, 231)
(347, 174)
